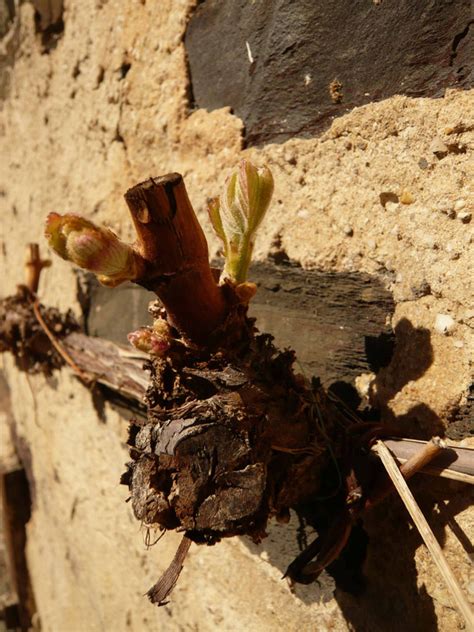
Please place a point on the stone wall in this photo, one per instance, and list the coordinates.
(104, 102)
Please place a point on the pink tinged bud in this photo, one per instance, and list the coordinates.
(146, 339)
(139, 339)
(159, 346)
(93, 248)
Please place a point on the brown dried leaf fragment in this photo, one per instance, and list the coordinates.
(163, 587)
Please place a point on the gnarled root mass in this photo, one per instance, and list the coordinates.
(232, 438)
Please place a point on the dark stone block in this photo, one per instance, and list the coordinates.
(115, 313)
(463, 424)
(288, 67)
(329, 318)
(313, 312)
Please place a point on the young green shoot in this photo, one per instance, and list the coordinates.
(238, 213)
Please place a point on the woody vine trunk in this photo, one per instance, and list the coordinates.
(232, 435)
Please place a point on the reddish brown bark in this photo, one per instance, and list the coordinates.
(172, 242)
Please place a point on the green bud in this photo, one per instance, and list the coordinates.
(238, 213)
(93, 248)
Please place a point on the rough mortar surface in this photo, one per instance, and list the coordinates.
(107, 108)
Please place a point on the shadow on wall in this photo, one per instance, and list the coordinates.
(394, 599)
(375, 581)
(383, 593)
(396, 361)
(412, 358)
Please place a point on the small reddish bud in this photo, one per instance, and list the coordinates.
(149, 340)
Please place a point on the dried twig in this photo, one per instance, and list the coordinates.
(454, 462)
(88, 379)
(449, 473)
(425, 531)
(422, 457)
(33, 267)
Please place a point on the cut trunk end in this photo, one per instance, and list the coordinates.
(172, 242)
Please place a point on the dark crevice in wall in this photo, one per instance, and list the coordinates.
(124, 69)
(119, 138)
(17, 497)
(49, 22)
(462, 423)
(189, 89)
(10, 42)
(7, 15)
(191, 101)
(50, 36)
(16, 510)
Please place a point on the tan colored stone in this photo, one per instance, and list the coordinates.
(74, 135)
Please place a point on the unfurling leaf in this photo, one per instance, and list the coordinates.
(93, 248)
(237, 214)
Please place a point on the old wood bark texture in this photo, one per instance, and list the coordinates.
(231, 436)
(116, 367)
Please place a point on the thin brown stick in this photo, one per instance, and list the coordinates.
(88, 379)
(330, 552)
(453, 462)
(324, 548)
(425, 532)
(33, 267)
(422, 457)
(419, 459)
